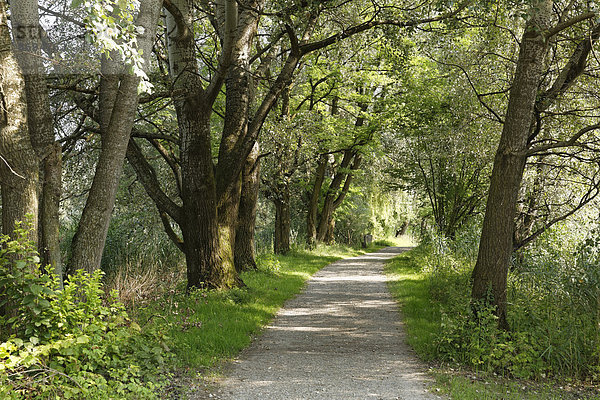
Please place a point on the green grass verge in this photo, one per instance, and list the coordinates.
(210, 327)
(421, 316)
(479, 388)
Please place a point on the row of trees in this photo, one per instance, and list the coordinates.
(309, 90)
(528, 72)
(219, 69)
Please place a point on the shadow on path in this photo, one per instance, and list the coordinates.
(341, 338)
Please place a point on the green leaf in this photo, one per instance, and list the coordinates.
(44, 303)
(29, 299)
(83, 339)
(135, 326)
(76, 3)
(35, 289)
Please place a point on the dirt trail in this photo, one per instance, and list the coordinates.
(342, 338)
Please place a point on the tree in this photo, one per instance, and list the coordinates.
(28, 39)
(18, 164)
(244, 237)
(118, 99)
(521, 126)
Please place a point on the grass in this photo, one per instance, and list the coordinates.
(465, 387)
(421, 316)
(208, 328)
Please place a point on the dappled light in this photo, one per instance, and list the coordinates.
(341, 338)
(174, 172)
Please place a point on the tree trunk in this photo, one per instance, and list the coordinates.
(281, 243)
(313, 204)
(208, 265)
(89, 240)
(402, 229)
(244, 238)
(495, 249)
(232, 150)
(329, 235)
(25, 20)
(18, 162)
(332, 193)
(50, 210)
(19, 172)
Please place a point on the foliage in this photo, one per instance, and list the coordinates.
(441, 326)
(110, 23)
(466, 386)
(70, 343)
(553, 314)
(438, 144)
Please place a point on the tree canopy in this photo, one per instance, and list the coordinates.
(229, 127)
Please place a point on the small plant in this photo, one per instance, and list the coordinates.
(268, 262)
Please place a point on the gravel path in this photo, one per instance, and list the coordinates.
(342, 338)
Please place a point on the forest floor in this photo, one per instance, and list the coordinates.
(342, 338)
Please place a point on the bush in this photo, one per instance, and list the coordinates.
(470, 336)
(70, 343)
(553, 311)
(268, 262)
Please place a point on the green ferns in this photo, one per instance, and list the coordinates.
(70, 343)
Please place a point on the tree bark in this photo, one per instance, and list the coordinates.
(19, 172)
(18, 162)
(244, 239)
(329, 235)
(50, 210)
(490, 273)
(25, 20)
(118, 104)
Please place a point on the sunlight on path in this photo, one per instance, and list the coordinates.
(341, 338)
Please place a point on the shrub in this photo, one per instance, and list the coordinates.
(268, 262)
(553, 311)
(70, 343)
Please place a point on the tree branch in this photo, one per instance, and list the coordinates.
(309, 47)
(565, 143)
(147, 176)
(183, 31)
(170, 232)
(571, 71)
(589, 196)
(566, 24)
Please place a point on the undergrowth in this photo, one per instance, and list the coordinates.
(69, 343)
(554, 330)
